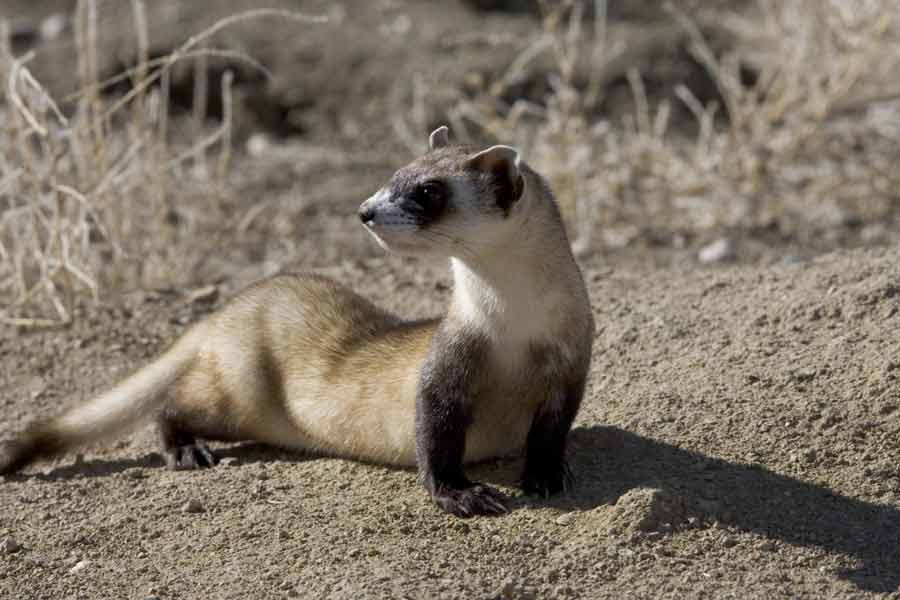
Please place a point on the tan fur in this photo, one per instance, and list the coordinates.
(299, 362)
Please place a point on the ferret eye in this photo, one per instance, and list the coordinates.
(430, 195)
(432, 190)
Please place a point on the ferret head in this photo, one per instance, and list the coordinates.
(453, 201)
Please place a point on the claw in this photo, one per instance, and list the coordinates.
(189, 456)
(470, 501)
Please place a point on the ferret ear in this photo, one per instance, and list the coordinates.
(502, 163)
(439, 138)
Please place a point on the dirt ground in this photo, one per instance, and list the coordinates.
(740, 437)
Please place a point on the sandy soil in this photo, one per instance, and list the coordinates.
(740, 437)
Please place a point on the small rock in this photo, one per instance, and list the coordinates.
(9, 545)
(513, 589)
(720, 250)
(228, 461)
(730, 542)
(136, 474)
(192, 507)
(81, 565)
(258, 144)
(564, 519)
(53, 26)
(803, 375)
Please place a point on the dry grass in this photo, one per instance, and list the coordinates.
(817, 130)
(104, 196)
(96, 199)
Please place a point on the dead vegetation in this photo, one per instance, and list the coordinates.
(100, 197)
(803, 127)
(813, 132)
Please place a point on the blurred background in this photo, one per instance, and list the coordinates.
(180, 143)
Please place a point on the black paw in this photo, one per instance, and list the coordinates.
(547, 481)
(476, 499)
(195, 455)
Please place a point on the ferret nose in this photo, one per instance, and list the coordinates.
(366, 214)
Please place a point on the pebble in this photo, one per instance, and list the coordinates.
(513, 589)
(258, 144)
(803, 374)
(228, 461)
(81, 565)
(136, 473)
(192, 507)
(53, 26)
(719, 251)
(564, 519)
(9, 545)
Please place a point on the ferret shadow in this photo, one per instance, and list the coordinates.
(91, 468)
(242, 452)
(609, 462)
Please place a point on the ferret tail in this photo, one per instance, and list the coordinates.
(103, 417)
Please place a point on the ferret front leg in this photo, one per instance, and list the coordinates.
(443, 415)
(546, 471)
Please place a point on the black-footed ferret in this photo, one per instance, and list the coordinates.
(299, 361)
